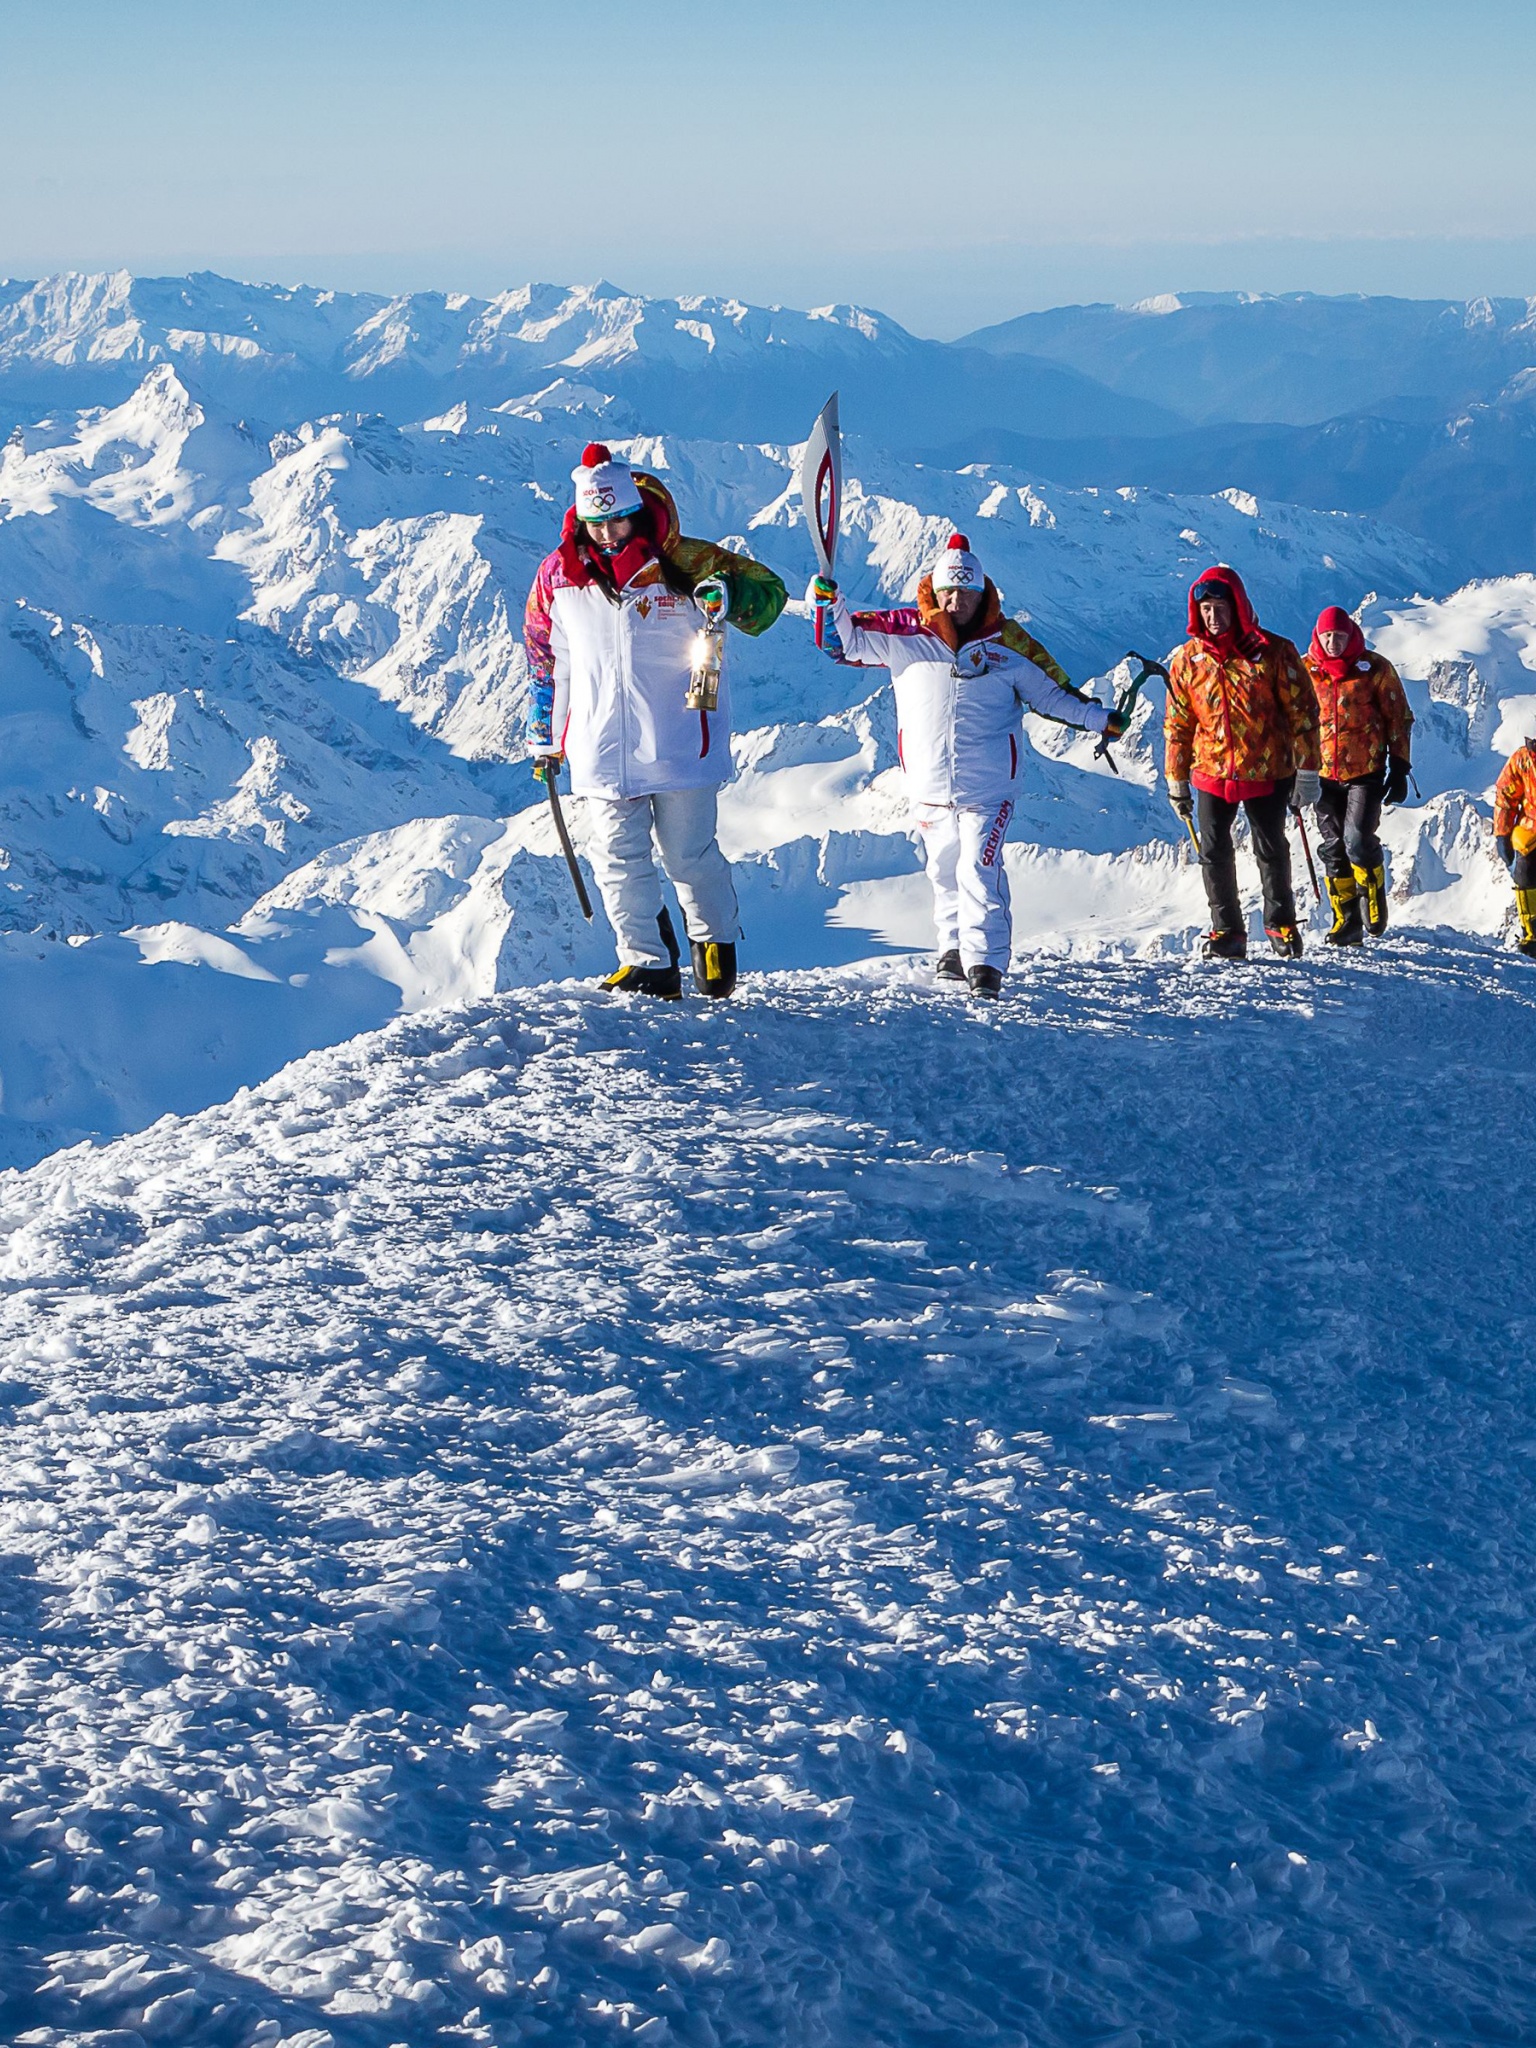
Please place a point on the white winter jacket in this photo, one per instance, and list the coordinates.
(959, 715)
(621, 672)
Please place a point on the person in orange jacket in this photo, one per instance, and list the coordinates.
(1239, 728)
(1514, 827)
(1363, 756)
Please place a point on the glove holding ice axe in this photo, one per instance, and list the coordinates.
(1304, 795)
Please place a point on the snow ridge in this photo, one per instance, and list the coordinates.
(559, 1520)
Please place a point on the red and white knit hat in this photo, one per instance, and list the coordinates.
(957, 568)
(605, 489)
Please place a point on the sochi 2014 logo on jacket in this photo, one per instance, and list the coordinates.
(978, 657)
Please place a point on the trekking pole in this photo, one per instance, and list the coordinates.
(1302, 829)
(1194, 836)
(565, 842)
(1127, 702)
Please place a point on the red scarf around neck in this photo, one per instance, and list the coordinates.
(1336, 620)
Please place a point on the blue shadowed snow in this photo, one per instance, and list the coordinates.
(831, 1520)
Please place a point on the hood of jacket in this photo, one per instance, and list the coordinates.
(1336, 620)
(1247, 636)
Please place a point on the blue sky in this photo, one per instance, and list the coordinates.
(949, 166)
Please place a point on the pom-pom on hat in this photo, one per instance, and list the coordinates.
(957, 568)
(605, 489)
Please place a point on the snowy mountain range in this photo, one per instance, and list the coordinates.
(261, 685)
(711, 366)
(1415, 411)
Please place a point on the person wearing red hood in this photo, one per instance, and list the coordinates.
(1363, 745)
(1239, 728)
(624, 631)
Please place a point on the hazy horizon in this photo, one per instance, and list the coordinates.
(797, 154)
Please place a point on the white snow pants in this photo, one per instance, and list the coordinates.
(963, 852)
(681, 823)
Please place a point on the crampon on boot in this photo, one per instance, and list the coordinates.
(1372, 883)
(986, 983)
(947, 967)
(1224, 946)
(714, 967)
(663, 982)
(1525, 903)
(1285, 939)
(1348, 927)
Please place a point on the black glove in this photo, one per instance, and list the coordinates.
(1396, 788)
(1506, 847)
(1181, 799)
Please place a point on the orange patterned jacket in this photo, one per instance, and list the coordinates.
(1514, 794)
(1363, 717)
(1240, 717)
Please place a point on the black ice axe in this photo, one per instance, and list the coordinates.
(1127, 704)
(565, 841)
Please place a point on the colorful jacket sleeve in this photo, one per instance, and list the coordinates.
(1014, 636)
(865, 639)
(1509, 797)
(757, 596)
(1395, 714)
(1298, 701)
(538, 645)
(1178, 723)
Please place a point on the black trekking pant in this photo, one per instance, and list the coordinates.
(1523, 873)
(1348, 814)
(1271, 849)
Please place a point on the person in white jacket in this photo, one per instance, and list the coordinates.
(624, 633)
(964, 675)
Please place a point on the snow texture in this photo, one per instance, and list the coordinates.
(830, 1519)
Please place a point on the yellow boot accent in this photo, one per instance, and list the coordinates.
(1344, 895)
(712, 962)
(630, 980)
(1525, 903)
(1373, 886)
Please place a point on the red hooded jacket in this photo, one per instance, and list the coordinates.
(1363, 714)
(1240, 715)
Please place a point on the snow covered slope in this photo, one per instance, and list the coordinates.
(562, 1522)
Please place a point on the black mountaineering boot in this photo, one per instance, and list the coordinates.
(664, 982)
(1225, 946)
(947, 967)
(1285, 939)
(986, 983)
(1348, 927)
(714, 967)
